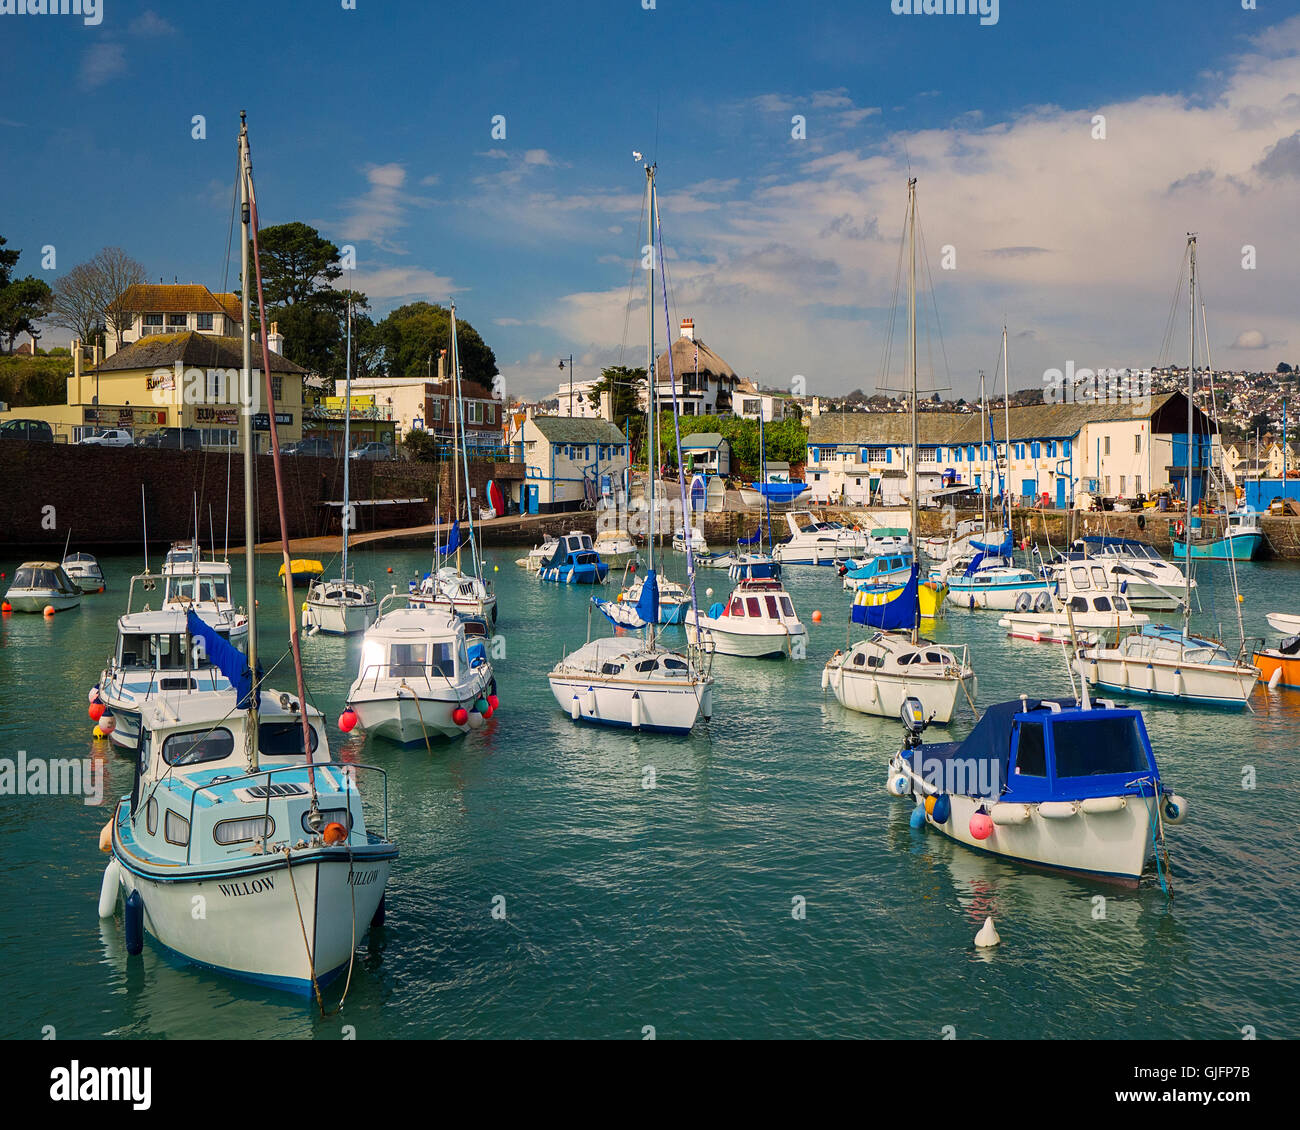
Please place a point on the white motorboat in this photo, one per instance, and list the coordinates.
(190, 581)
(342, 606)
(1001, 588)
(1163, 662)
(84, 571)
(814, 542)
(1086, 608)
(615, 548)
(539, 555)
(452, 591)
(1287, 623)
(155, 656)
(757, 621)
(1150, 582)
(698, 544)
(1070, 786)
(417, 679)
(673, 600)
(886, 569)
(38, 585)
(878, 674)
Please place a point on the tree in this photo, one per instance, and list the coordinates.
(1282, 366)
(297, 263)
(413, 336)
(23, 303)
(118, 272)
(625, 387)
(78, 304)
(7, 261)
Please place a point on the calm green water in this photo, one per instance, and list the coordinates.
(671, 906)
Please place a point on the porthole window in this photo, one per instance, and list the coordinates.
(176, 829)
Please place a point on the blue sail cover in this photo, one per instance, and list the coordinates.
(230, 661)
(899, 612)
(453, 542)
(1006, 549)
(753, 538)
(648, 606)
(644, 611)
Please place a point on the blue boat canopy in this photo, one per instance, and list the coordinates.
(229, 660)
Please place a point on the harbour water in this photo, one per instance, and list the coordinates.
(765, 886)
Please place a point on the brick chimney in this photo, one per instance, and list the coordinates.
(688, 329)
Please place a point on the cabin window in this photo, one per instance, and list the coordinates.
(1098, 746)
(1121, 605)
(787, 607)
(328, 816)
(176, 829)
(1031, 756)
(752, 606)
(646, 665)
(407, 659)
(1078, 604)
(1080, 576)
(1099, 576)
(933, 657)
(244, 831)
(135, 651)
(151, 816)
(772, 610)
(875, 660)
(611, 668)
(675, 666)
(859, 659)
(1103, 604)
(737, 608)
(283, 739)
(198, 746)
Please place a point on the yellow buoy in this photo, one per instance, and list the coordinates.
(97, 734)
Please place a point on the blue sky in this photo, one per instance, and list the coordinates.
(374, 125)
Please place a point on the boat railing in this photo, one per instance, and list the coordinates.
(347, 770)
(408, 673)
(394, 598)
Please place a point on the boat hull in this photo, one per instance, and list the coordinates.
(250, 927)
(1185, 682)
(1269, 663)
(334, 619)
(882, 694)
(1235, 547)
(408, 719)
(30, 600)
(661, 707)
(1110, 846)
(995, 597)
(747, 645)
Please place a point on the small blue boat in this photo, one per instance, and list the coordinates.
(1241, 541)
(1068, 785)
(575, 562)
(886, 569)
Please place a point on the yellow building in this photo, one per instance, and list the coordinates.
(188, 380)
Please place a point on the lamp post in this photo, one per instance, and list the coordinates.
(570, 380)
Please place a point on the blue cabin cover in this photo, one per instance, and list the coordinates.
(1030, 752)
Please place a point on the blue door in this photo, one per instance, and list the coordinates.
(1060, 493)
(1028, 488)
(532, 498)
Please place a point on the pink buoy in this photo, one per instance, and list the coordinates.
(107, 723)
(981, 825)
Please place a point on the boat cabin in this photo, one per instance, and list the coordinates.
(43, 576)
(757, 600)
(412, 643)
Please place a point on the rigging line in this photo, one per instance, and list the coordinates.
(631, 286)
(934, 304)
(1166, 343)
(230, 233)
(887, 353)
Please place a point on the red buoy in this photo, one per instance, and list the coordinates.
(348, 720)
(493, 702)
(96, 711)
(460, 716)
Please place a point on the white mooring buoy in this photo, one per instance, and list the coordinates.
(1275, 678)
(988, 935)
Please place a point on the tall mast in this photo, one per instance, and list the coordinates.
(652, 456)
(464, 451)
(455, 431)
(911, 329)
(984, 494)
(246, 435)
(347, 444)
(1006, 438)
(1191, 378)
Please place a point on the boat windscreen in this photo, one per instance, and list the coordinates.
(1098, 746)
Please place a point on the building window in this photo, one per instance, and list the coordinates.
(436, 413)
(277, 387)
(928, 455)
(1106, 450)
(1137, 444)
(1121, 484)
(152, 324)
(176, 323)
(1035, 449)
(203, 321)
(1108, 484)
(1137, 484)
(877, 455)
(1065, 450)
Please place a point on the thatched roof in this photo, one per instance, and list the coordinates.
(683, 351)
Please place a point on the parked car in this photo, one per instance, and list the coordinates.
(33, 431)
(112, 437)
(312, 445)
(374, 450)
(175, 439)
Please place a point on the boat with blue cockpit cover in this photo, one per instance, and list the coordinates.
(1068, 785)
(574, 562)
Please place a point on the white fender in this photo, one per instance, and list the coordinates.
(1175, 809)
(591, 700)
(636, 711)
(1005, 813)
(109, 888)
(575, 708)
(1058, 809)
(826, 678)
(706, 703)
(1275, 678)
(1097, 804)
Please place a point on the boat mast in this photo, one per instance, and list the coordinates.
(911, 328)
(347, 444)
(455, 434)
(1006, 438)
(464, 453)
(652, 443)
(246, 437)
(984, 494)
(1191, 379)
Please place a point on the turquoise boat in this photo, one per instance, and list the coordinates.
(1241, 541)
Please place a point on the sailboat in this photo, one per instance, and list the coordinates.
(878, 674)
(343, 606)
(628, 680)
(450, 587)
(241, 847)
(1170, 662)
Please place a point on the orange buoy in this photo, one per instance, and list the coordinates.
(6, 607)
(390, 568)
(334, 833)
(49, 611)
(817, 616)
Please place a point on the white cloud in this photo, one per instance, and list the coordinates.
(150, 22)
(1250, 339)
(382, 284)
(381, 211)
(102, 61)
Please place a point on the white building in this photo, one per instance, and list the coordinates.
(706, 384)
(576, 400)
(1059, 452)
(569, 461)
(748, 399)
